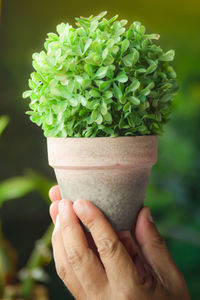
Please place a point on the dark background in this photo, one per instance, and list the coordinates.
(173, 193)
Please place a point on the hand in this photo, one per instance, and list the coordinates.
(112, 273)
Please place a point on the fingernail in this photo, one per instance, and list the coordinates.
(149, 216)
(80, 207)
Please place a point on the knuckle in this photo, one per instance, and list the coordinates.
(66, 227)
(158, 241)
(108, 247)
(61, 271)
(90, 224)
(75, 257)
(149, 283)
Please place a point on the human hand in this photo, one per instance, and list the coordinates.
(111, 273)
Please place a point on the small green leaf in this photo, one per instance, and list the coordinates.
(130, 59)
(168, 56)
(15, 187)
(151, 68)
(122, 77)
(4, 120)
(94, 93)
(104, 108)
(94, 115)
(108, 117)
(82, 100)
(130, 121)
(153, 36)
(101, 73)
(73, 101)
(105, 85)
(87, 45)
(117, 92)
(89, 69)
(108, 94)
(127, 106)
(135, 56)
(99, 119)
(133, 86)
(134, 100)
(26, 94)
(105, 53)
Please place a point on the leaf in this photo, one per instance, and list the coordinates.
(93, 26)
(101, 73)
(73, 102)
(15, 187)
(108, 60)
(124, 45)
(122, 77)
(26, 94)
(133, 86)
(130, 59)
(127, 106)
(94, 93)
(87, 45)
(130, 121)
(82, 100)
(101, 15)
(103, 108)
(134, 100)
(146, 91)
(105, 53)
(168, 56)
(153, 36)
(108, 94)
(89, 69)
(108, 117)
(151, 68)
(117, 92)
(99, 119)
(4, 120)
(94, 115)
(105, 85)
(135, 57)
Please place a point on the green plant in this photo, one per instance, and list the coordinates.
(10, 189)
(101, 79)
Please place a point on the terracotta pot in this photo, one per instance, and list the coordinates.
(112, 173)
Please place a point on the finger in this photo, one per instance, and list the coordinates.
(134, 251)
(117, 262)
(63, 267)
(54, 193)
(154, 248)
(85, 264)
(53, 210)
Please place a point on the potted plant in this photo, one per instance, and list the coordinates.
(101, 93)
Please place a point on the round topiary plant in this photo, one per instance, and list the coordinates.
(101, 79)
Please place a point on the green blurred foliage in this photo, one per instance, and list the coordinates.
(174, 188)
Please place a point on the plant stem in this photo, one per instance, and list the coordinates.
(36, 260)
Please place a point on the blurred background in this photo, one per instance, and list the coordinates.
(25, 177)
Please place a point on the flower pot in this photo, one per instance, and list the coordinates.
(112, 173)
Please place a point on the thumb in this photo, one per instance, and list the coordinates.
(154, 248)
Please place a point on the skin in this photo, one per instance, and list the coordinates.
(107, 265)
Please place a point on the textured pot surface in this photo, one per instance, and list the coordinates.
(112, 173)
